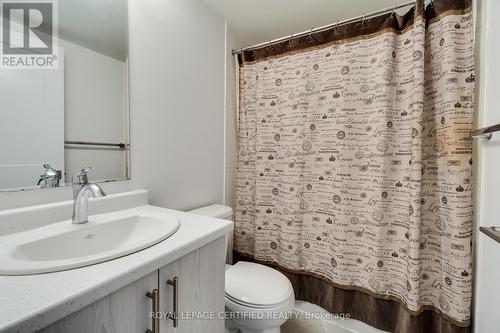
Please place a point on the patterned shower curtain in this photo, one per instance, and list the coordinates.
(354, 167)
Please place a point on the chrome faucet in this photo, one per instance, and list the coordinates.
(50, 178)
(82, 190)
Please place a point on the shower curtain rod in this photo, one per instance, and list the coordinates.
(326, 27)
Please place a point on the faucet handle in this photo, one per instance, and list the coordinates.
(51, 172)
(50, 177)
(41, 179)
(79, 180)
(85, 170)
(81, 177)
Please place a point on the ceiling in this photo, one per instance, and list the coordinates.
(257, 21)
(99, 25)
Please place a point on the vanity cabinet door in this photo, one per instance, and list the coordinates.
(200, 291)
(126, 310)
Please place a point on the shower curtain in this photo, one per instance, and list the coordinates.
(354, 166)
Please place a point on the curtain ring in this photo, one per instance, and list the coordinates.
(290, 39)
(430, 5)
(394, 10)
(269, 44)
(363, 19)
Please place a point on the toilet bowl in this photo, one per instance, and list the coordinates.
(258, 298)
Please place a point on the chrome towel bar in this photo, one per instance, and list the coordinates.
(492, 232)
(102, 144)
(486, 132)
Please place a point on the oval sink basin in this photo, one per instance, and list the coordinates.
(61, 246)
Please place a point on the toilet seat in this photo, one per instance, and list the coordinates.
(257, 286)
(255, 306)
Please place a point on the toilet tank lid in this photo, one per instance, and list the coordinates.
(217, 211)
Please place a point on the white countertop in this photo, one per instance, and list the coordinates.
(31, 302)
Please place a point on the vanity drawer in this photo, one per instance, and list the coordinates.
(126, 311)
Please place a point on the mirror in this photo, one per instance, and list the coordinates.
(63, 93)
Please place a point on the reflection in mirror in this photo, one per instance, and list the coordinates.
(55, 121)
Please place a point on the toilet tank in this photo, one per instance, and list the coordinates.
(217, 211)
(224, 213)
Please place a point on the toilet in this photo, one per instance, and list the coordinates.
(258, 298)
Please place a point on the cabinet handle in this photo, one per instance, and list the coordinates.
(175, 283)
(155, 297)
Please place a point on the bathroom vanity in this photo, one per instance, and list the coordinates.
(192, 285)
(181, 278)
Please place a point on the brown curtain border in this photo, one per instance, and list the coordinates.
(384, 312)
(370, 28)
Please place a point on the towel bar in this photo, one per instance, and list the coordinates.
(492, 232)
(486, 132)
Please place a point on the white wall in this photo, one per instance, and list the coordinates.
(177, 101)
(177, 108)
(487, 279)
(96, 110)
(85, 99)
(233, 42)
(31, 124)
(258, 21)
(33, 197)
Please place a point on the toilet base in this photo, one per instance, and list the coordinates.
(269, 330)
(232, 329)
